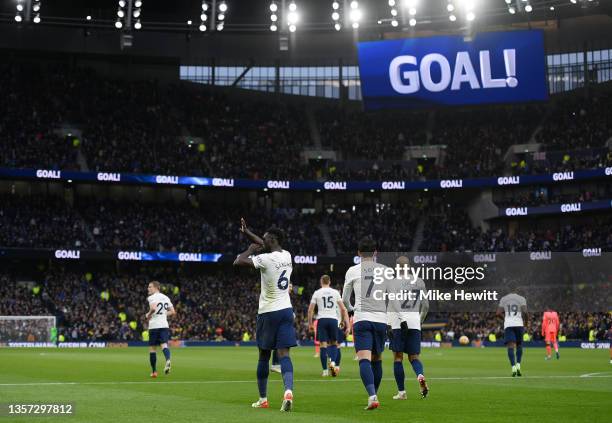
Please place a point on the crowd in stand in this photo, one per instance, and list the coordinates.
(149, 127)
(217, 306)
(573, 325)
(544, 195)
(453, 231)
(40, 222)
(212, 307)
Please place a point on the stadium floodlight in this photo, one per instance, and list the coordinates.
(552, 8)
(470, 16)
(573, 1)
(118, 24)
(273, 18)
(189, 22)
(121, 3)
(220, 16)
(335, 16)
(138, 3)
(202, 27)
(36, 18)
(394, 23)
(88, 17)
(355, 25)
(337, 26)
(511, 10)
(203, 17)
(220, 26)
(137, 24)
(36, 6)
(19, 7)
(528, 8)
(292, 28)
(452, 17)
(292, 7)
(412, 22)
(120, 13)
(18, 18)
(223, 7)
(273, 7)
(412, 11)
(136, 13)
(292, 18)
(355, 15)
(450, 7)
(273, 28)
(354, 4)
(391, 3)
(508, 1)
(335, 5)
(393, 12)
(204, 6)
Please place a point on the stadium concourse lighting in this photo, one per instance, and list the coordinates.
(221, 15)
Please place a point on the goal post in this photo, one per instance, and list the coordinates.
(28, 329)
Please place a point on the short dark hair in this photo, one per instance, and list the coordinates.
(277, 233)
(156, 284)
(367, 246)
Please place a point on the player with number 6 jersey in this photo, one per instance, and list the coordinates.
(160, 308)
(513, 307)
(275, 330)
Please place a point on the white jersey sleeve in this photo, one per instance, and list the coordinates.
(162, 304)
(275, 269)
(512, 305)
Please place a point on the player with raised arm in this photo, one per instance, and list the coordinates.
(160, 308)
(550, 329)
(405, 317)
(275, 330)
(370, 318)
(328, 301)
(513, 307)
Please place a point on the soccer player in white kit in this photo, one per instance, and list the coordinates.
(405, 317)
(370, 318)
(160, 308)
(328, 301)
(513, 306)
(275, 330)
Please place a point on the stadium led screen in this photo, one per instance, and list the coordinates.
(494, 67)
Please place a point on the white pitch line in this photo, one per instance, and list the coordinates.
(212, 382)
(595, 374)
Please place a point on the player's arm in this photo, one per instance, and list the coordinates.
(524, 311)
(244, 258)
(171, 311)
(249, 234)
(345, 317)
(543, 324)
(347, 290)
(152, 308)
(311, 307)
(500, 311)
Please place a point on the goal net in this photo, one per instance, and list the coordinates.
(28, 329)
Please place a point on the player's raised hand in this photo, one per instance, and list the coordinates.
(243, 225)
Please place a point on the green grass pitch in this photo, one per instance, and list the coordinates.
(218, 385)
